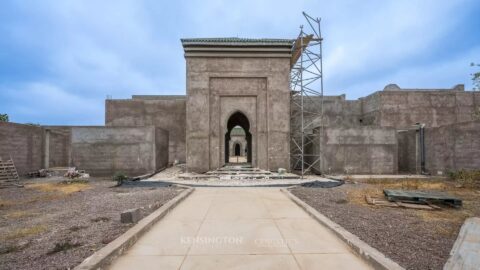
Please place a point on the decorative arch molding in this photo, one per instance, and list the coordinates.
(238, 118)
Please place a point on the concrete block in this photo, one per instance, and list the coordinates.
(131, 216)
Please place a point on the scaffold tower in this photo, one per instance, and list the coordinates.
(306, 84)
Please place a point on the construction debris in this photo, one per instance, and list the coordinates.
(74, 173)
(383, 202)
(39, 173)
(236, 172)
(323, 184)
(421, 197)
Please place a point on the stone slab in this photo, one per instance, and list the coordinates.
(465, 253)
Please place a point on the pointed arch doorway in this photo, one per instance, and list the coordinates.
(236, 120)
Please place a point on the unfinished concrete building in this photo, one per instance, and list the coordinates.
(234, 84)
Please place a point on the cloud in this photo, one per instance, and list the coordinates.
(444, 73)
(43, 103)
(79, 51)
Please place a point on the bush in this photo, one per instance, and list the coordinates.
(120, 177)
(4, 117)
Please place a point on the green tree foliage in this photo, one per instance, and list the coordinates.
(3, 117)
(476, 77)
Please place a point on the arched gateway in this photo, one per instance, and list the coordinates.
(238, 120)
(230, 82)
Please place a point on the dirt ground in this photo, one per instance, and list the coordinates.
(54, 225)
(416, 239)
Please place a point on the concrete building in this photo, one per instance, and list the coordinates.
(238, 84)
(242, 82)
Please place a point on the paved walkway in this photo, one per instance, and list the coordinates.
(238, 228)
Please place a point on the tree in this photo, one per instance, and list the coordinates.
(476, 77)
(3, 117)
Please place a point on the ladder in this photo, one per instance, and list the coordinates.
(8, 172)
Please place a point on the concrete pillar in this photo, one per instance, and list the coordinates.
(46, 150)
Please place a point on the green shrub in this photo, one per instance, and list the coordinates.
(120, 177)
(4, 117)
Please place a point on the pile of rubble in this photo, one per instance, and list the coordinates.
(74, 173)
(71, 173)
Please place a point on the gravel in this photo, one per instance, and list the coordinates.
(69, 227)
(401, 234)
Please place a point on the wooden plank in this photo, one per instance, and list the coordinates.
(379, 202)
(297, 52)
(422, 197)
(368, 199)
(415, 206)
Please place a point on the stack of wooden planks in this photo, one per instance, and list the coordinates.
(383, 202)
(8, 173)
(422, 197)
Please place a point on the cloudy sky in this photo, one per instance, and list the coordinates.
(60, 59)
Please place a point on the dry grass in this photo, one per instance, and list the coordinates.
(23, 232)
(19, 214)
(427, 184)
(54, 191)
(64, 188)
(466, 178)
(46, 197)
(450, 217)
(6, 203)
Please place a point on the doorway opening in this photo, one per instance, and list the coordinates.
(238, 139)
(237, 150)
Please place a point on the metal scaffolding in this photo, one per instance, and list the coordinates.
(306, 84)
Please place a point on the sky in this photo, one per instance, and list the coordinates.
(60, 59)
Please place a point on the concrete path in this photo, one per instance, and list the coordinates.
(238, 228)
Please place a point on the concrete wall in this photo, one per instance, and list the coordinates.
(104, 151)
(165, 112)
(337, 111)
(453, 147)
(408, 155)
(161, 148)
(359, 150)
(257, 87)
(401, 108)
(98, 150)
(24, 143)
(434, 107)
(59, 147)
